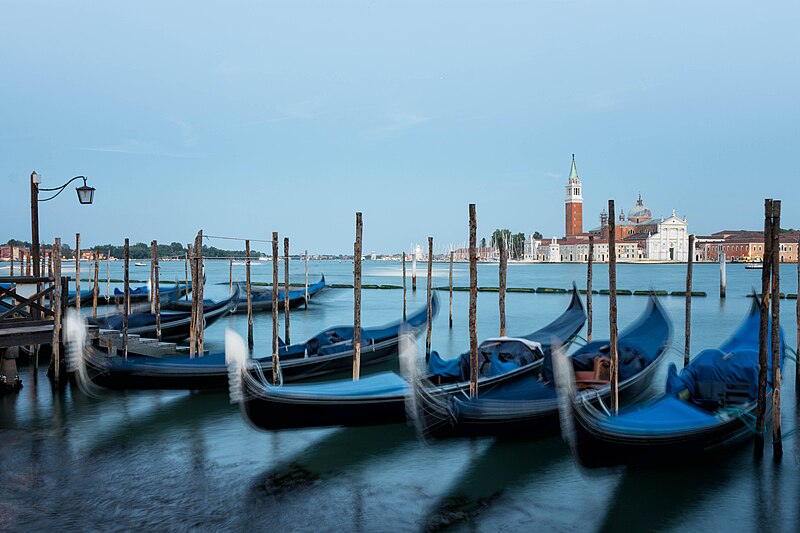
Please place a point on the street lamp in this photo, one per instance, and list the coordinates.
(85, 196)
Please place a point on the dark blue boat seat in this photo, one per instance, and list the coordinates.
(715, 378)
(496, 356)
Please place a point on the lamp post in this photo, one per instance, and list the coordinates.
(85, 196)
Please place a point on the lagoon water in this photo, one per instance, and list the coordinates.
(172, 460)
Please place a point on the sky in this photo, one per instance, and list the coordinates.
(243, 118)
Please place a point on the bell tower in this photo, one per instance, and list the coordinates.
(574, 203)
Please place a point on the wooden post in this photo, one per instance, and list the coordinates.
(590, 262)
(612, 306)
(275, 362)
(777, 444)
(249, 296)
(191, 276)
(11, 269)
(414, 270)
(152, 295)
(451, 289)
(78, 272)
(357, 299)
(230, 277)
(688, 345)
(198, 290)
(797, 315)
(108, 274)
(28, 264)
(723, 281)
(305, 255)
(286, 289)
(404, 285)
(502, 290)
(156, 290)
(474, 364)
(186, 270)
(96, 288)
(43, 255)
(126, 302)
(430, 286)
(57, 295)
(763, 331)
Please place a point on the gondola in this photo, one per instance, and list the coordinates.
(706, 408)
(328, 352)
(261, 297)
(167, 294)
(175, 326)
(372, 400)
(527, 406)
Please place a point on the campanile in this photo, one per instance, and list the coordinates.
(574, 203)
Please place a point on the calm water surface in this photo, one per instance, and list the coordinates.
(181, 460)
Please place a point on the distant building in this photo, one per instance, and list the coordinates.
(638, 235)
(574, 203)
(745, 245)
(19, 253)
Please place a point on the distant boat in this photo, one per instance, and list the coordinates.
(753, 265)
(140, 264)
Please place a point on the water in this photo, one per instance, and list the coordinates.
(181, 460)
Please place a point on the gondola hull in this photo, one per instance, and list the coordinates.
(534, 418)
(210, 371)
(275, 412)
(595, 447)
(174, 326)
(524, 407)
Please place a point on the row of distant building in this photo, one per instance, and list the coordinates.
(642, 238)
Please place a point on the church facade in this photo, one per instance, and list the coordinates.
(639, 237)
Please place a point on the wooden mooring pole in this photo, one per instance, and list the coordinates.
(11, 266)
(152, 294)
(404, 285)
(108, 274)
(414, 270)
(305, 256)
(451, 289)
(429, 318)
(230, 277)
(156, 290)
(126, 301)
(797, 318)
(723, 278)
(191, 276)
(186, 270)
(590, 261)
(357, 299)
(58, 293)
(688, 345)
(78, 272)
(198, 290)
(275, 361)
(286, 288)
(612, 306)
(501, 297)
(473, 304)
(96, 288)
(763, 332)
(777, 443)
(249, 296)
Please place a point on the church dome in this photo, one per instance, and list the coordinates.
(640, 212)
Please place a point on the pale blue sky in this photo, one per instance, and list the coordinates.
(249, 117)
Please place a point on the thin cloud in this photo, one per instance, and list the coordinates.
(398, 123)
(136, 147)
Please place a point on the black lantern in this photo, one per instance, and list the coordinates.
(85, 193)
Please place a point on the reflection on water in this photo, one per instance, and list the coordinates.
(180, 460)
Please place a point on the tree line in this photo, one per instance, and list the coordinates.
(141, 250)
